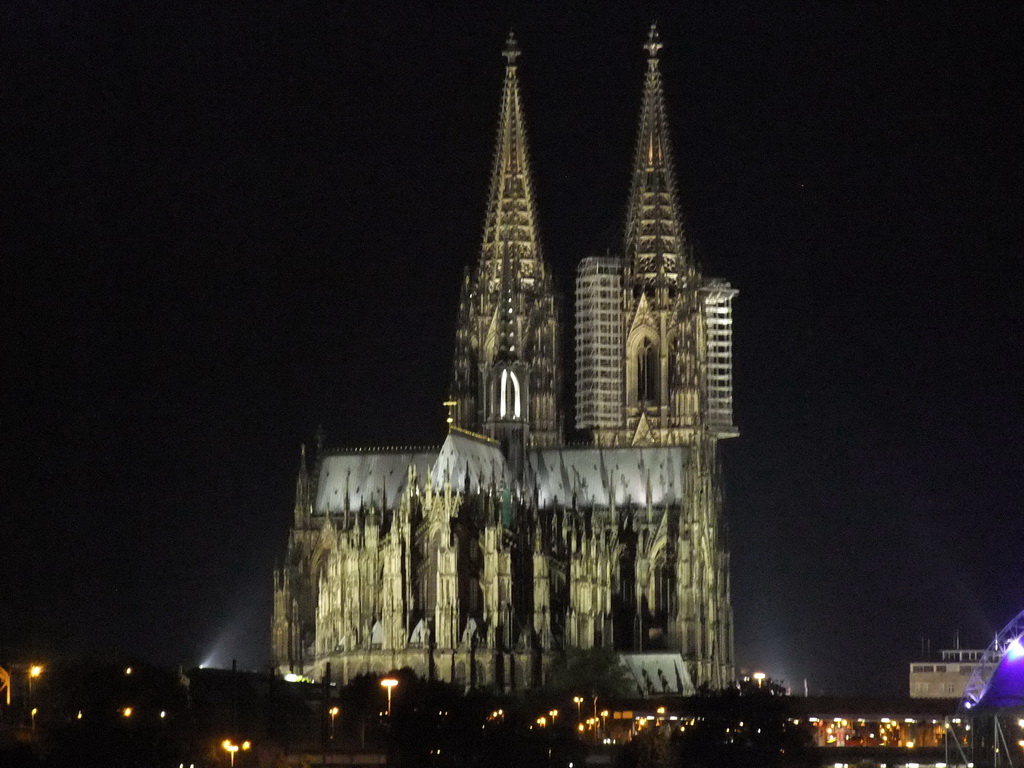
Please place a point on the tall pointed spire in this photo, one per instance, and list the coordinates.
(509, 312)
(655, 242)
(511, 220)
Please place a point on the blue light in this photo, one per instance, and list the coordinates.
(1014, 650)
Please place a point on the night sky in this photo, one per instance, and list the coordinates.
(223, 225)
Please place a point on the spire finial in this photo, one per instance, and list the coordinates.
(653, 44)
(511, 52)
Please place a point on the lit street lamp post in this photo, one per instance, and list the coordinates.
(389, 683)
(232, 748)
(578, 701)
(334, 713)
(33, 672)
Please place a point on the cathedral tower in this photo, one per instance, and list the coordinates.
(674, 334)
(508, 312)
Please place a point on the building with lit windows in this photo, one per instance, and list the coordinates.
(946, 678)
(482, 560)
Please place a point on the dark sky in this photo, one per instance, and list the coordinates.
(224, 224)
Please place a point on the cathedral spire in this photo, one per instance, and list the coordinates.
(507, 338)
(511, 220)
(655, 243)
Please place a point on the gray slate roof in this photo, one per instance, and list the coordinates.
(599, 477)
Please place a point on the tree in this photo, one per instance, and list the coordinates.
(595, 672)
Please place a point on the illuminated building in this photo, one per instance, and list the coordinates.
(946, 678)
(479, 562)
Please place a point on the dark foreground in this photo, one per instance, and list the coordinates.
(102, 714)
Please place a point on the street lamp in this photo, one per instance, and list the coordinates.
(554, 714)
(578, 701)
(759, 676)
(333, 711)
(389, 683)
(231, 748)
(34, 710)
(33, 672)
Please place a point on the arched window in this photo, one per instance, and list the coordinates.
(510, 399)
(647, 373)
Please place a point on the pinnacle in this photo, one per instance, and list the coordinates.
(511, 52)
(653, 44)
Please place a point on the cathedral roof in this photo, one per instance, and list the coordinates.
(658, 673)
(469, 460)
(597, 477)
(364, 478)
(602, 476)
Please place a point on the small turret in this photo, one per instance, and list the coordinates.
(303, 493)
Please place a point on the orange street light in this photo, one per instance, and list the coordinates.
(759, 676)
(232, 748)
(333, 712)
(554, 714)
(34, 671)
(389, 683)
(578, 701)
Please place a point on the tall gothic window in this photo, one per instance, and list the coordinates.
(647, 373)
(510, 401)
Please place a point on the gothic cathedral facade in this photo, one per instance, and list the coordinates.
(483, 561)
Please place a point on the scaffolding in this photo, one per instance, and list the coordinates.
(599, 343)
(718, 296)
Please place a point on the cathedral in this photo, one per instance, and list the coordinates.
(481, 562)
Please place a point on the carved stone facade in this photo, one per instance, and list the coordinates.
(481, 561)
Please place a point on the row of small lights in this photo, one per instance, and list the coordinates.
(36, 670)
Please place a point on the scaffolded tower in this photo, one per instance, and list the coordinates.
(718, 296)
(599, 339)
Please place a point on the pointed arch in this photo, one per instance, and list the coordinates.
(643, 367)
